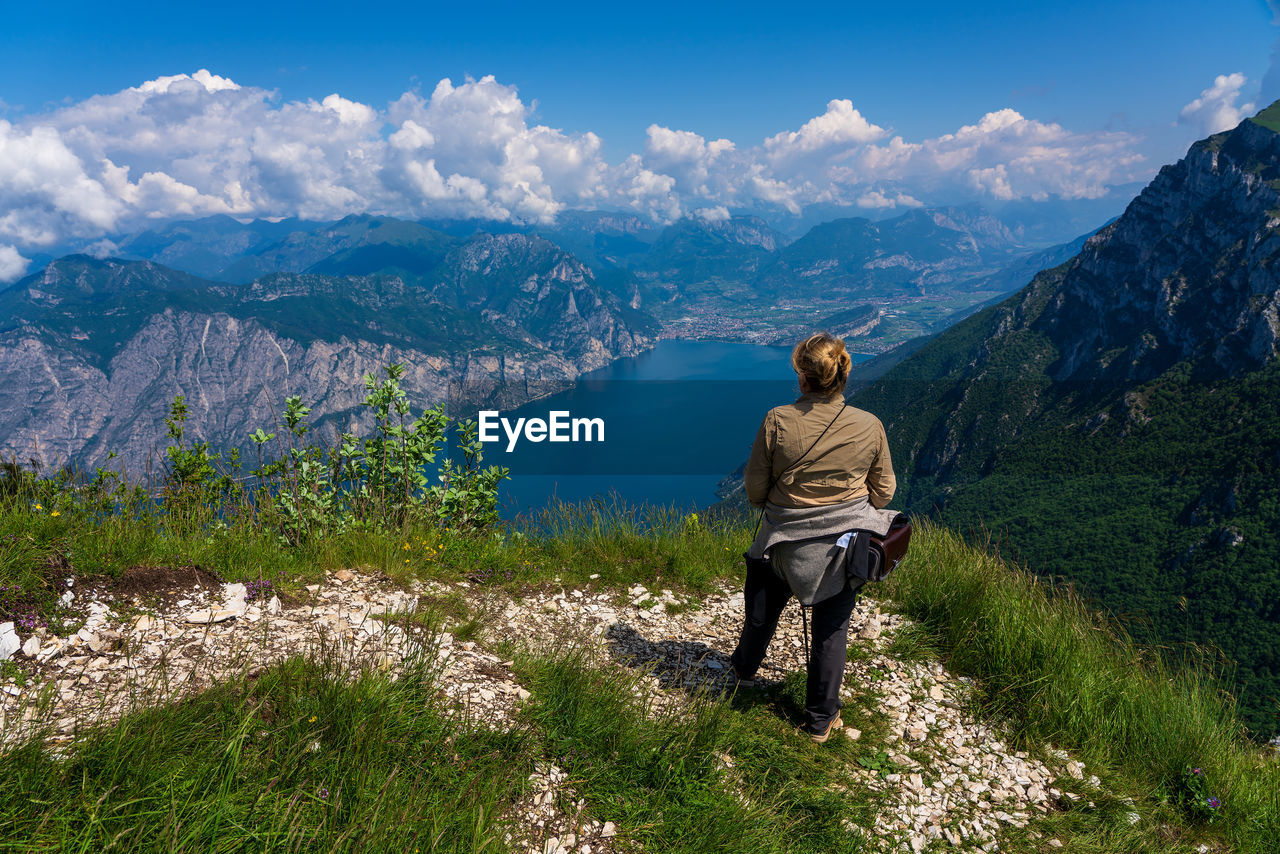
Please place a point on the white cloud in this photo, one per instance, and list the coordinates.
(102, 249)
(879, 200)
(12, 264)
(1003, 156)
(190, 145)
(46, 191)
(719, 213)
(209, 82)
(1215, 110)
(478, 134)
(840, 126)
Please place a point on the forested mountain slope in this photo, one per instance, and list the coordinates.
(1117, 421)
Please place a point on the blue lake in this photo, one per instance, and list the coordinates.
(676, 420)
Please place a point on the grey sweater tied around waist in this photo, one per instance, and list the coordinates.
(803, 543)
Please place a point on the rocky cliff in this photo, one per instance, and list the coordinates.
(1187, 272)
(92, 352)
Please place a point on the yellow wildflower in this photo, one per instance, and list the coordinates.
(311, 719)
(56, 513)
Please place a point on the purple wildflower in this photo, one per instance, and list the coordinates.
(255, 590)
(324, 793)
(1196, 771)
(1213, 803)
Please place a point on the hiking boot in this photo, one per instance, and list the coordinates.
(821, 737)
(740, 681)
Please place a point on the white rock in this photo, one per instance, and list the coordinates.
(50, 650)
(274, 607)
(609, 829)
(31, 647)
(9, 643)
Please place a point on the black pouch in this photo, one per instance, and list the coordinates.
(757, 564)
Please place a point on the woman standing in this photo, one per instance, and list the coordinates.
(819, 469)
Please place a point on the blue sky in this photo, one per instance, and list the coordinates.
(740, 71)
(1111, 77)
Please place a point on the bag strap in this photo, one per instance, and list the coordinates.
(774, 481)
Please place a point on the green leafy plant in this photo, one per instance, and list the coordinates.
(193, 483)
(1195, 796)
(380, 481)
(468, 493)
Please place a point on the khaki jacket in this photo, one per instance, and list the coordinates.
(851, 460)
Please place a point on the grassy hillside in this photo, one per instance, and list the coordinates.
(1159, 500)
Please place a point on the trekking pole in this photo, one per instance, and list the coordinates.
(804, 627)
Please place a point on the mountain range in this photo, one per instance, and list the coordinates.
(92, 351)
(236, 316)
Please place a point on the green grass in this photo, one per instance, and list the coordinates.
(303, 758)
(1059, 673)
(620, 545)
(665, 778)
(1270, 117)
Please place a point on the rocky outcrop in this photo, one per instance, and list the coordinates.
(1188, 272)
(57, 406)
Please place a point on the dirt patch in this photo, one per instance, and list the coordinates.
(162, 581)
(493, 671)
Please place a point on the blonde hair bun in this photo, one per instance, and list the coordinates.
(823, 361)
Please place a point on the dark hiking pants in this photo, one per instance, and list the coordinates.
(765, 596)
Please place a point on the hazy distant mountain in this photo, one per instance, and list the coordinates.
(602, 239)
(696, 258)
(1057, 220)
(733, 260)
(1019, 272)
(356, 242)
(919, 251)
(207, 246)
